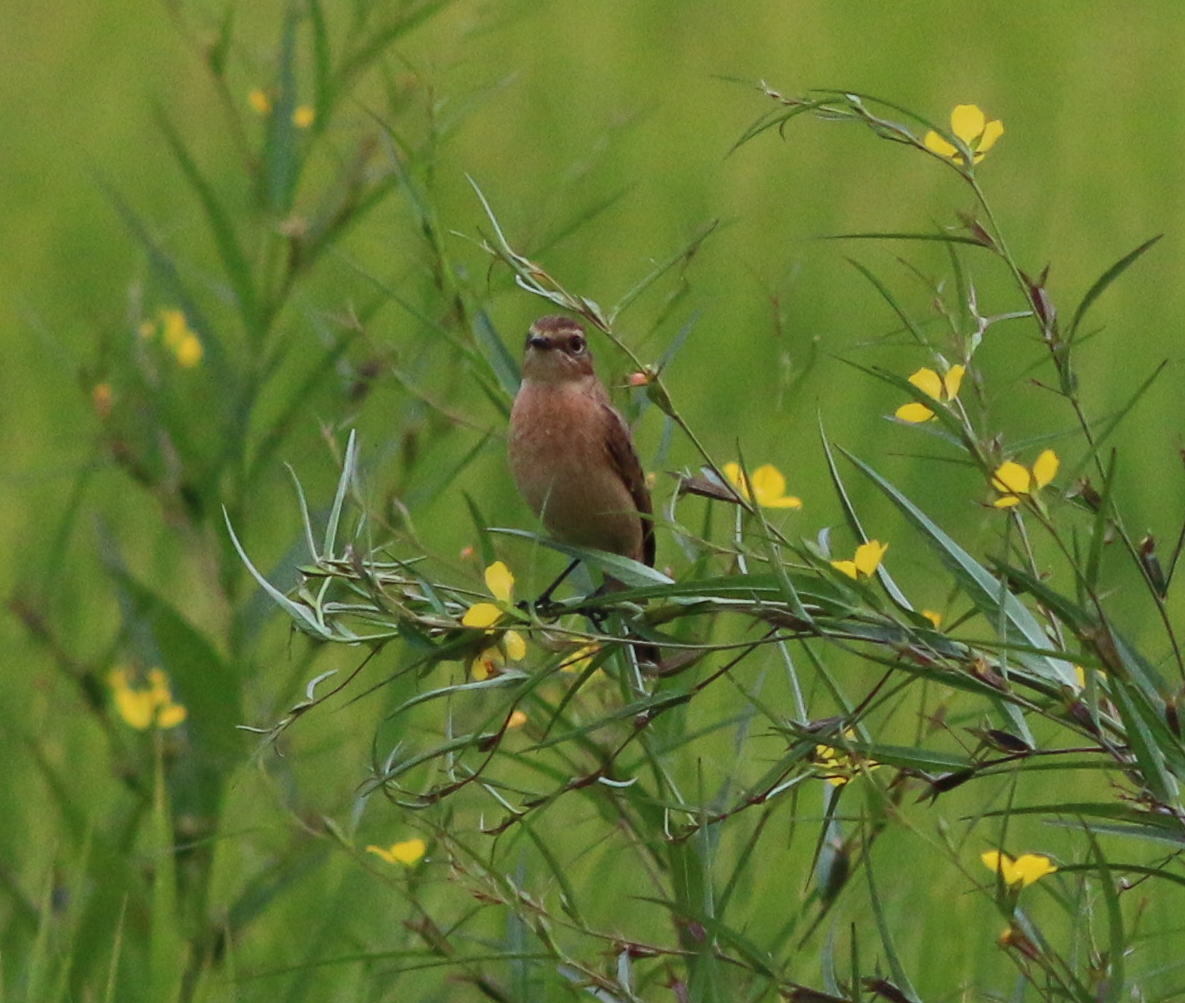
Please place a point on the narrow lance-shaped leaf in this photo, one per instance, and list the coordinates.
(980, 585)
(1104, 280)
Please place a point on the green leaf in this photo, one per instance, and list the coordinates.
(631, 573)
(281, 163)
(988, 594)
(683, 256)
(1114, 985)
(234, 262)
(945, 238)
(502, 364)
(1104, 280)
(165, 943)
(322, 64)
(900, 978)
(167, 274)
(1143, 745)
(301, 614)
(345, 483)
(889, 298)
(479, 524)
(882, 573)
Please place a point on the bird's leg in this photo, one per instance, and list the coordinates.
(543, 605)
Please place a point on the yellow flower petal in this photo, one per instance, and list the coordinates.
(991, 132)
(1030, 867)
(174, 328)
(733, 472)
(1008, 501)
(516, 720)
(516, 647)
(869, 555)
(928, 382)
(769, 488)
(499, 581)
(170, 715)
(487, 664)
(934, 618)
(847, 567)
(407, 852)
(914, 412)
(303, 116)
(1045, 469)
(136, 707)
(967, 122)
(1012, 478)
(768, 484)
(481, 614)
(1023, 871)
(259, 101)
(189, 352)
(936, 143)
(953, 380)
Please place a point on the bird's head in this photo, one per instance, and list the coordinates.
(556, 351)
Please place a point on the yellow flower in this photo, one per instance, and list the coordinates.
(517, 719)
(260, 101)
(970, 125)
(180, 338)
(940, 388)
(837, 766)
(489, 661)
(409, 852)
(867, 559)
(510, 647)
(303, 116)
(1021, 871)
(143, 707)
(500, 582)
(189, 351)
(1014, 481)
(767, 487)
(934, 618)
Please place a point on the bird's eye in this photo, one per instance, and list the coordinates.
(576, 344)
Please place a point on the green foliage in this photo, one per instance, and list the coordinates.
(280, 762)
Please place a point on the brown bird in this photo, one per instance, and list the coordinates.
(571, 453)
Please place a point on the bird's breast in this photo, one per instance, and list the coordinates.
(563, 469)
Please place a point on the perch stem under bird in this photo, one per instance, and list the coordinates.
(572, 454)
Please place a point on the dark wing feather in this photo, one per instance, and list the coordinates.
(625, 461)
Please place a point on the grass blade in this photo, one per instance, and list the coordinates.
(984, 590)
(1104, 280)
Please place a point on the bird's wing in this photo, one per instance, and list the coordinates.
(624, 457)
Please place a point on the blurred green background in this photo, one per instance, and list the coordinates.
(553, 109)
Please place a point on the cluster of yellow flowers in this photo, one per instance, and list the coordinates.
(147, 704)
(261, 103)
(178, 337)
